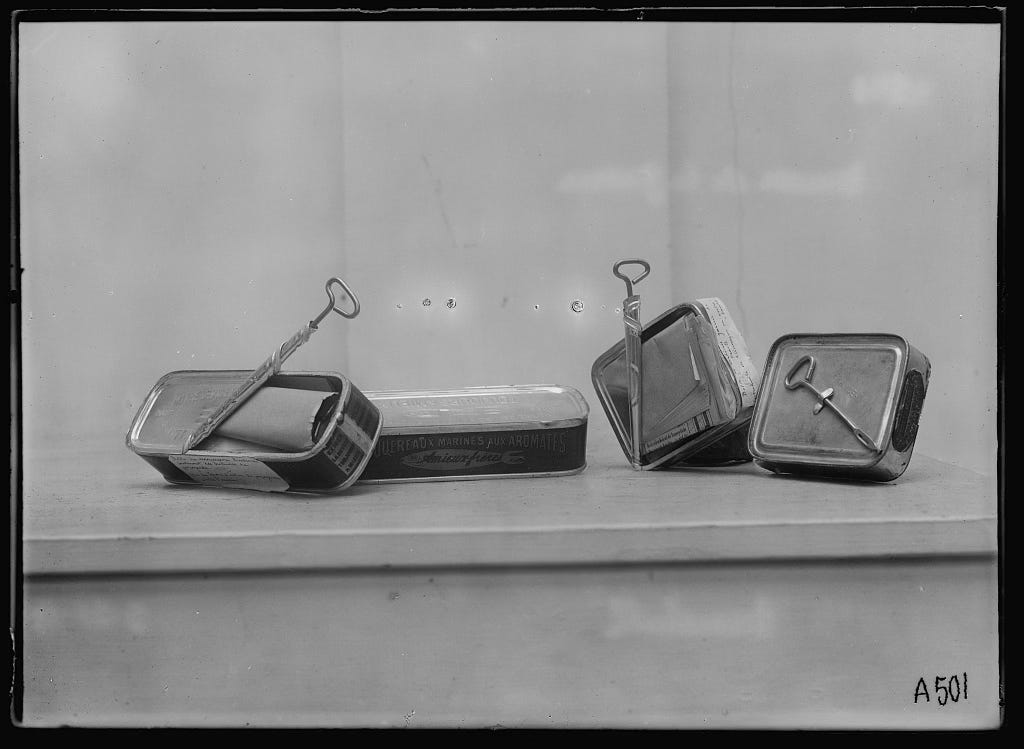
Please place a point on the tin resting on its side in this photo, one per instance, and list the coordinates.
(679, 390)
(478, 433)
(840, 405)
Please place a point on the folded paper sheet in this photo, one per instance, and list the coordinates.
(284, 419)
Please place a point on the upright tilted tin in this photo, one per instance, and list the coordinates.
(679, 390)
(839, 405)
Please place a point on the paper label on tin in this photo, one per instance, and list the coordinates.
(344, 452)
(351, 430)
(234, 472)
(734, 349)
(699, 423)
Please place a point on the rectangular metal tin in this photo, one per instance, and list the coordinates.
(479, 433)
(878, 381)
(180, 400)
(721, 444)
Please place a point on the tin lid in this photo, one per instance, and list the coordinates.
(181, 400)
(483, 408)
(828, 399)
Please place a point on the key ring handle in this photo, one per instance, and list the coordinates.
(805, 359)
(332, 305)
(630, 281)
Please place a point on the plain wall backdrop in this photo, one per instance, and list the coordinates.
(186, 189)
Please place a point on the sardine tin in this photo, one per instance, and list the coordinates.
(819, 390)
(478, 433)
(714, 440)
(180, 400)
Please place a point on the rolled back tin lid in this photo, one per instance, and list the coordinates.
(829, 399)
(483, 408)
(289, 414)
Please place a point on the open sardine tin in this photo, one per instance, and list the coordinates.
(697, 393)
(479, 433)
(839, 405)
(305, 432)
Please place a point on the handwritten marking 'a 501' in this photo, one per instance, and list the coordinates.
(945, 689)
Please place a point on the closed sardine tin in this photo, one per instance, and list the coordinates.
(839, 405)
(694, 361)
(478, 433)
(267, 445)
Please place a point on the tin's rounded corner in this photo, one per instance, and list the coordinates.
(574, 471)
(581, 401)
(904, 464)
(765, 465)
(599, 365)
(919, 361)
(178, 373)
(752, 449)
(777, 343)
(183, 482)
(890, 478)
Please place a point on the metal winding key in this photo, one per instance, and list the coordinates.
(271, 366)
(824, 398)
(634, 353)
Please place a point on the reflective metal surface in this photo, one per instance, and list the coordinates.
(342, 433)
(691, 397)
(839, 405)
(479, 432)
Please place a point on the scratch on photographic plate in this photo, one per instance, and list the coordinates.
(438, 191)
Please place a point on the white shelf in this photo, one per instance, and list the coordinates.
(95, 510)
